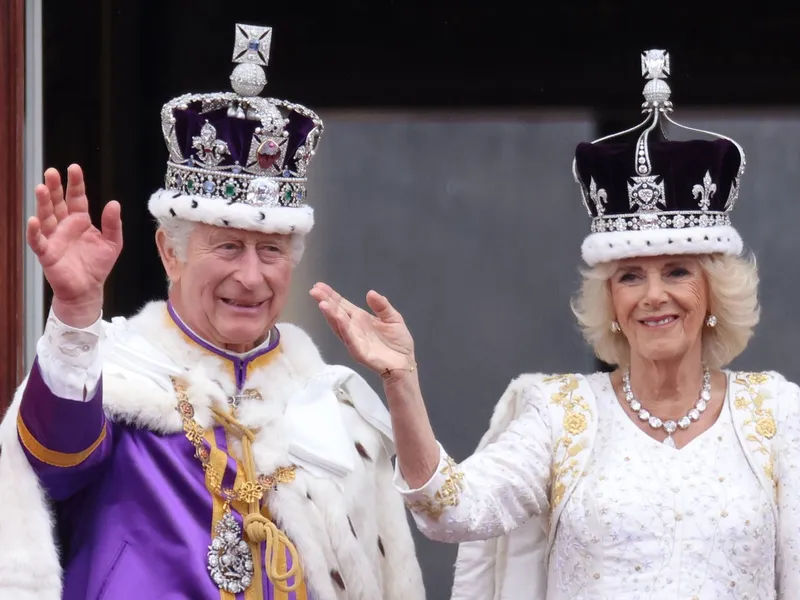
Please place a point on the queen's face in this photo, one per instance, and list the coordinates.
(661, 304)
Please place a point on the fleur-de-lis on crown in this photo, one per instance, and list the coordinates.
(210, 150)
(733, 195)
(599, 197)
(705, 192)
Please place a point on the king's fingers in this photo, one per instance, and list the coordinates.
(52, 179)
(33, 234)
(76, 191)
(44, 209)
(111, 224)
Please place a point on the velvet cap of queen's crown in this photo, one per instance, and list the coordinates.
(237, 159)
(654, 196)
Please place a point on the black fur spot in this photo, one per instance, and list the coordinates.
(336, 576)
(352, 529)
(172, 212)
(380, 547)
(363, 452)
(194, 203)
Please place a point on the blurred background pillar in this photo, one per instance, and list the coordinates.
(12, 114)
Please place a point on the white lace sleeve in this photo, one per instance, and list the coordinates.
(493, 491)
(69, 358)
(787, 474)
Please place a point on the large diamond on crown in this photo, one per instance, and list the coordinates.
(263, 191)
(646, 193)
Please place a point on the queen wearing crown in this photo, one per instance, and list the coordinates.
(671, 477)
(200, 449)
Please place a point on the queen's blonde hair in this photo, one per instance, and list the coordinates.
(733, 299)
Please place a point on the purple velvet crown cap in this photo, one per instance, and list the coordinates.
(240, 135)
(681, 166)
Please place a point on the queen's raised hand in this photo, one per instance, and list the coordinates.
(379, 339)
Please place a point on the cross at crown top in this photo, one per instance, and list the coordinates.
(252, 44)
(655, 64)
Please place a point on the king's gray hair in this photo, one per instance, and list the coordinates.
(178, 232)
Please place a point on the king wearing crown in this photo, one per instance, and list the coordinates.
(200, 449)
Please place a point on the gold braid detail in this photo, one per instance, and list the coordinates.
(257, 527)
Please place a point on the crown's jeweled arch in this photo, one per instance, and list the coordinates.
(666, 186)
(233, 150)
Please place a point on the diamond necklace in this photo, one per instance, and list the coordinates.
(669, 426)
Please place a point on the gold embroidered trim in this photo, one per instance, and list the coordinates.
(447, 495)
(761, 422)
(577, 415)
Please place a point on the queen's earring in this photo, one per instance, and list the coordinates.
(711, 321)
(615, 328)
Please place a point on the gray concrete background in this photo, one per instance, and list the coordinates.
(471, 224)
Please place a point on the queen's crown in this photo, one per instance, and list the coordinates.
(656, 183)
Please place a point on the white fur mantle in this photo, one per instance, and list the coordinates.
(136, 391)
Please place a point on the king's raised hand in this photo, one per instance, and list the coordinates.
(76, 257)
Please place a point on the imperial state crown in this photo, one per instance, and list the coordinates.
(237, 159)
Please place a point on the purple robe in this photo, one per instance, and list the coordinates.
(133, 512)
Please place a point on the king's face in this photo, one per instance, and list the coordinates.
(233, 284)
